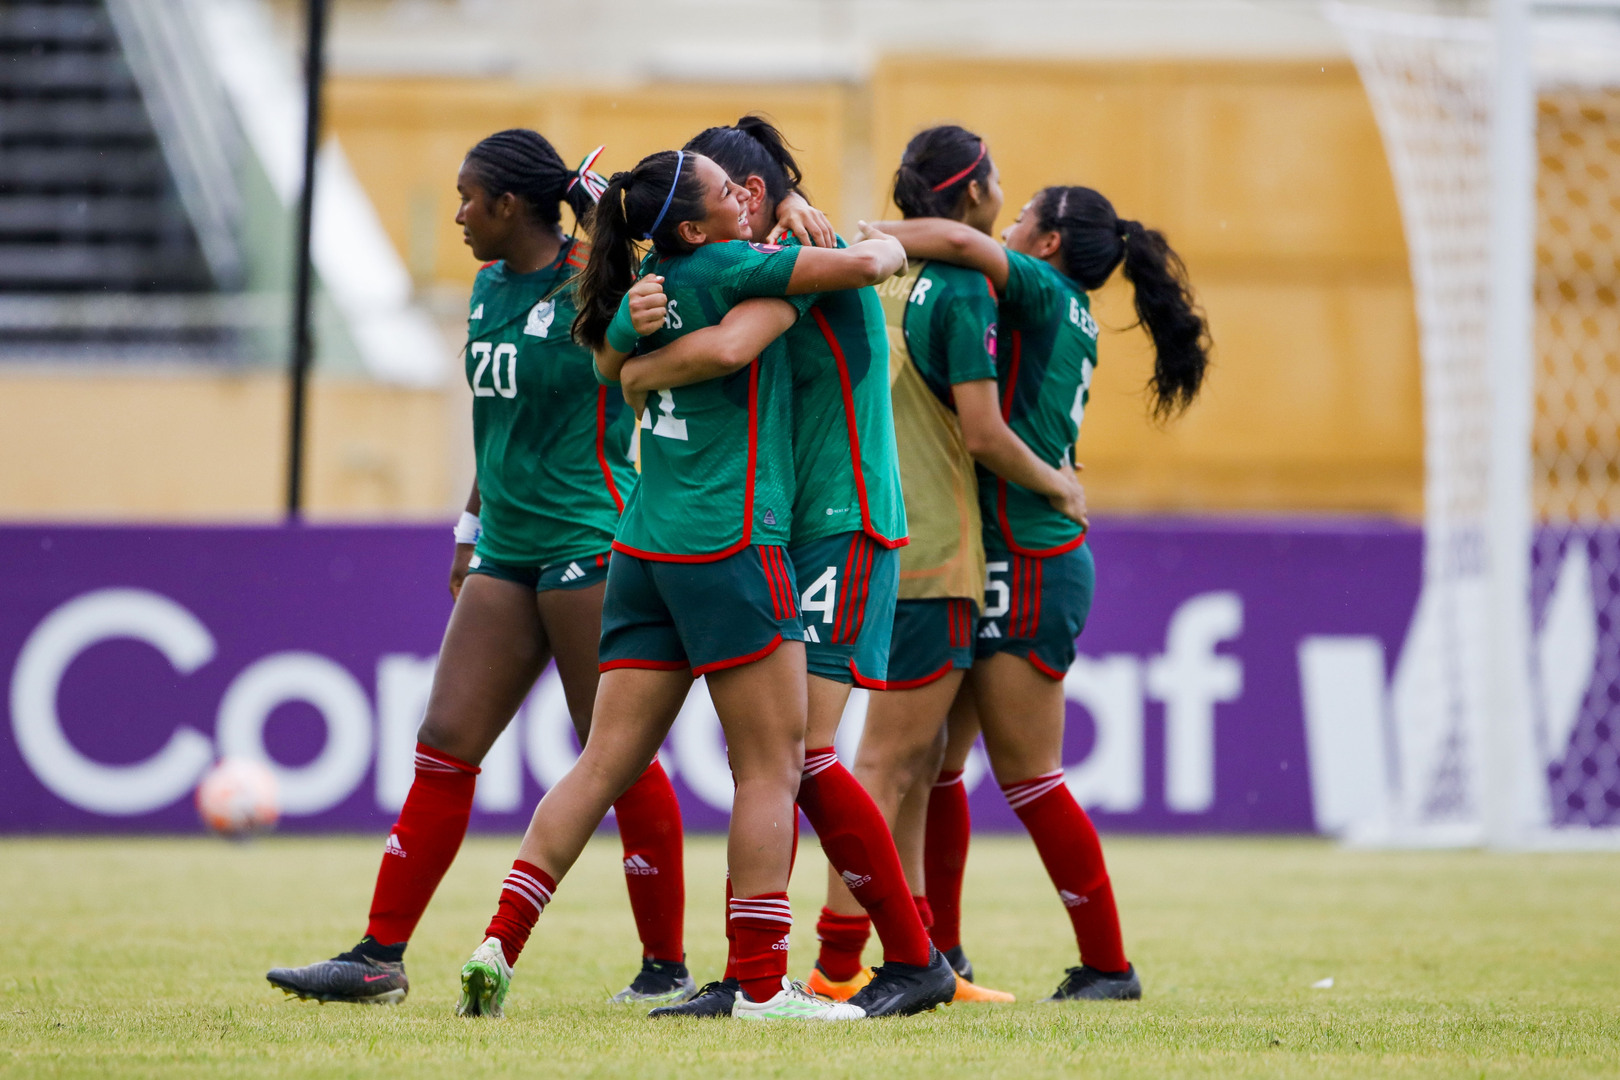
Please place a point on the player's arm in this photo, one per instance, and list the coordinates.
(712, 351)
(875, 257)
(641, 312)
(998, 448)
(952, 242)
(466, 541)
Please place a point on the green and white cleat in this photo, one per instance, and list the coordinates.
(794, 1002)
(484, 981)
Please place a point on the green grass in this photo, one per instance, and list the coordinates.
(140, 957)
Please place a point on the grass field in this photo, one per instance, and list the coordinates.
(146, 957)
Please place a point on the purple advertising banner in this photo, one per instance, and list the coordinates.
(133, 657)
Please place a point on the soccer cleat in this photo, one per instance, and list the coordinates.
(1088, 984)
(904, 989)
(959, 962)
(715, 999)
(820, 985)
(351, 977)
(971, 993)
(484, 981)
(793, 1002)
(658, 983)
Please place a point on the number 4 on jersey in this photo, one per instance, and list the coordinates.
(822, 596)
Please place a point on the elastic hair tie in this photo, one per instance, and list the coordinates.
(594, 183)
(680, 157)
(943, 184)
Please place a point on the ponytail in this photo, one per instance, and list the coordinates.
(752, 147)
(936, 169)
(1095, 241)
(525, 164)
(655, 197)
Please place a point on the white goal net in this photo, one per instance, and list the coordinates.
(1503, 134)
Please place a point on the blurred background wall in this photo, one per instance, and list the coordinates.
(1239, 129)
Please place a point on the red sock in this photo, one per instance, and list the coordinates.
(859, 846)
(650, 828)
(843, 939)
(925, 912)
(524, 895)
(731, 935)
(1068, 844)
(761, 924)
(422, 845)
(945, 851)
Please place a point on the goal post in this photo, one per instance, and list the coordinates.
(1503, 135)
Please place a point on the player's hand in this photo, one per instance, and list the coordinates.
(1071, 501)
(795, 215)
(459, 566)
(648, 304)
(869, 233)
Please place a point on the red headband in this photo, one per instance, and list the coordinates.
(943, 184)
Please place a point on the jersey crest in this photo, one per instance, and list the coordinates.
(540, 317)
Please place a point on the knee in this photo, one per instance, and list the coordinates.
(448, 738)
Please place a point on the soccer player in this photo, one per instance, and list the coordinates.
(699, 583)
(942, 332)
(848, 524)
(1065, 244)
(531, 556)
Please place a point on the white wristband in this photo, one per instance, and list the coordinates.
(468, 529)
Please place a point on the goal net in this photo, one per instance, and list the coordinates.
(1503, 135)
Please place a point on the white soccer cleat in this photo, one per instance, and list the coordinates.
(794, 1002)
(484, 981)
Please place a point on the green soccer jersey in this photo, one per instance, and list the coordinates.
(716, 456)
(552, 446)
(843, 423)
(1046, 355)
(942, 332)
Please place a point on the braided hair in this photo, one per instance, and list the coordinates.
(525, 164)
(936, 169)
(1096, 240)
(648, 202)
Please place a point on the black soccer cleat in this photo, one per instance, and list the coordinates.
(1088, 984)
(352, 976)
(904, 989)
(659, 982)
(959, 962)
(715, 999)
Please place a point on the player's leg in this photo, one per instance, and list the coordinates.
(494, 647)
(945, 845)
(648, 815)
(1019, 691)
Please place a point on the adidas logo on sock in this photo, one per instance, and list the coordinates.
(854, 880)
(573, 573)
(1071, 899)
(394, 847)
(781, 946)
(989, 630)
(635, 864)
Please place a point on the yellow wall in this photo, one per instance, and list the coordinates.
(1269, 179)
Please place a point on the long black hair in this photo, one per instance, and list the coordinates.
(524, 163)
(936, 169)
(1095, 241)
(752, 147)
(663, 190)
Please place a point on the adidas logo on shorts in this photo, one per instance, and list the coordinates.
(1071, 899)
(811, 635)
(640, 867)
(394, 847)
(573, 573)
(989, 630)
(854, 880)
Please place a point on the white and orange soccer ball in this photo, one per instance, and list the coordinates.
(238, 798)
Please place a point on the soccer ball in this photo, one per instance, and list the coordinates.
(238, 798)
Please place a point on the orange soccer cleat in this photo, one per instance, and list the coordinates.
(823, 987)
(973, 993)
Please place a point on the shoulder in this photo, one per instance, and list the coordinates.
(579, 253)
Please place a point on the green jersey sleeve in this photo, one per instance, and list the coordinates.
(1033, 292)
(745, 270)
(968, 320)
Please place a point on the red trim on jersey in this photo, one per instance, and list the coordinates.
(853, 429)
(912, 684)
(748, 497)
(601, 446)
(643, 665)
(1002, 520)
(739, 661)
(1044, 668)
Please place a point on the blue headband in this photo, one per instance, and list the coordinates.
(680, 156)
